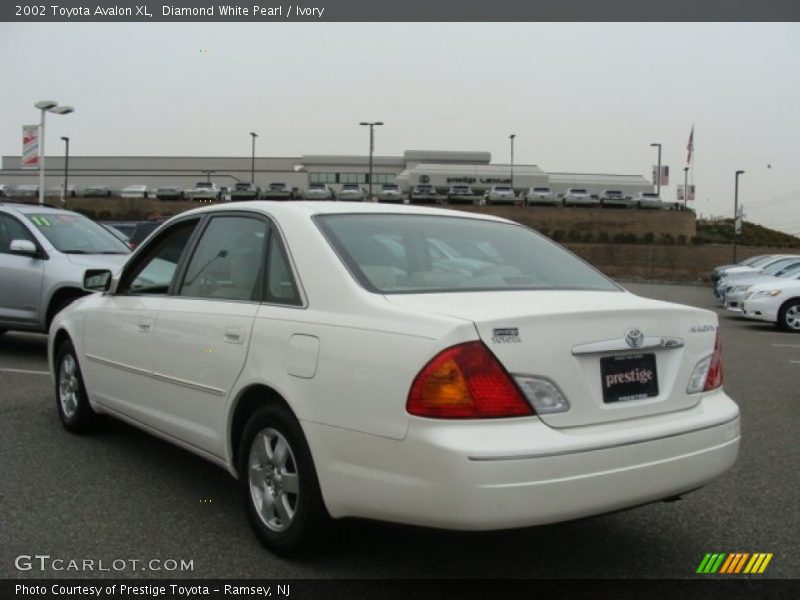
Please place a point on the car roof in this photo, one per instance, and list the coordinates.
(289, 210)
(32, 209)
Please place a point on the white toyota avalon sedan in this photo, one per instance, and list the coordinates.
(336, 362)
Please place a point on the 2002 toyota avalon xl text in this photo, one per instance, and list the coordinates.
(406, 364)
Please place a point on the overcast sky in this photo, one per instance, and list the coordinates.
(580, 97)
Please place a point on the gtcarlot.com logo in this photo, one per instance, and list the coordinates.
(45, 562)
(734, 563)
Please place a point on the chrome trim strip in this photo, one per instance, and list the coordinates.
(619, 344)
(606, 447)
(158, 376)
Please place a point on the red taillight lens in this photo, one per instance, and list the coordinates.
(465, 382)
(714, 377)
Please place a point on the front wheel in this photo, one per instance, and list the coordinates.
(72, 403)
(279, 485)
(789, 316)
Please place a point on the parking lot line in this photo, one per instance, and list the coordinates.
(25, 371)
(786, 345)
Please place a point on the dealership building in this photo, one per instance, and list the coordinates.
(438, 168)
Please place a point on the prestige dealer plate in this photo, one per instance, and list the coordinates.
(628, 377)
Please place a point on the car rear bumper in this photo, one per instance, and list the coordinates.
(484, 475)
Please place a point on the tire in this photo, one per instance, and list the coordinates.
(789, 316)
(274, 456)
(73, 407)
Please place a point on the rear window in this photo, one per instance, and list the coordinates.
(541, 189)
(397, 253)
(578, 191)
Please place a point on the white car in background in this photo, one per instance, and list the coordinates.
(318, 191)
(424, 193)
(204, 191)
(500, 194)
(579, 197)
(135, 191)
(734, 299)
(647, 200)
(391, 192)
(616, 198)
(541, 195)
(351, 192)
(776, 302)
(338, 376)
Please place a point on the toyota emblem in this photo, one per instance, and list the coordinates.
(634, 337)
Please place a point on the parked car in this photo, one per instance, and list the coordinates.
(391, 192)
(126, 228)
(277, 191)
(615, 198)
(647, 200)
(336, 378)
(318, 191)
(142, 232)
(24, 191)
(245, 191)
(169, 192)
(500, 194)
(771, 268)
(424, 194)
(351, 192)
(97, 191)
(44, 252)
(735, 295)
(4, 190)
(204, 191)
(58, 191)
(716, 273)
(541, 195)
(135, 191)
(461, 194)
(579, 197)
(776, 302)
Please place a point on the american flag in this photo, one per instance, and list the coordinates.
(690, 147)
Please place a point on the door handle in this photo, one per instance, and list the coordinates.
(143, 324)
(234, 335)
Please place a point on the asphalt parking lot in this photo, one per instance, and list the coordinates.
(121, 494)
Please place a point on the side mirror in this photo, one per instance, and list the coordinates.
(97, 280)
(25, 247)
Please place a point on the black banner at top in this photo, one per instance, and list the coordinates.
(147, 11)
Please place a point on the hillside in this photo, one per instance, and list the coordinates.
(721, 232)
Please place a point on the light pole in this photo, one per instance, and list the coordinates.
(47, 106)
(65, 194)
(253, 159)
(511, 137)
(685, 186)
(735, 211)
(658, 175)
(371, 148)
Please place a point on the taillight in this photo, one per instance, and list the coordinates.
(707, 374)
(714, 377)
(465, 382)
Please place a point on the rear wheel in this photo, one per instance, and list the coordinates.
(789, 316)
(72, 403)
(279, 484)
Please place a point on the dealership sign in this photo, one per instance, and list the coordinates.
(664, 175)
(690, 196)
(478, 180)
(30, 146)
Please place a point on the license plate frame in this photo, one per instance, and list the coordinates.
(628, 377)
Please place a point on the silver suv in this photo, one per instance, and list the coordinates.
(44, 253)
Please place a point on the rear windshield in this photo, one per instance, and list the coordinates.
(541, 189)
(396, 253)
(578, 191)
(502, 188)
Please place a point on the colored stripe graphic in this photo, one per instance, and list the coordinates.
(734, 563)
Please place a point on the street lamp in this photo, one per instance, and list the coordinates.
(47, 106)
(371, 148)
(253, 159)
(65, 192)
(685, 186)
(735, 211)
(658, 175)
(511, 137)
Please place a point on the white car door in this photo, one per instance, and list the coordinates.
(22, 275)
(202, 331)
(118, 333)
